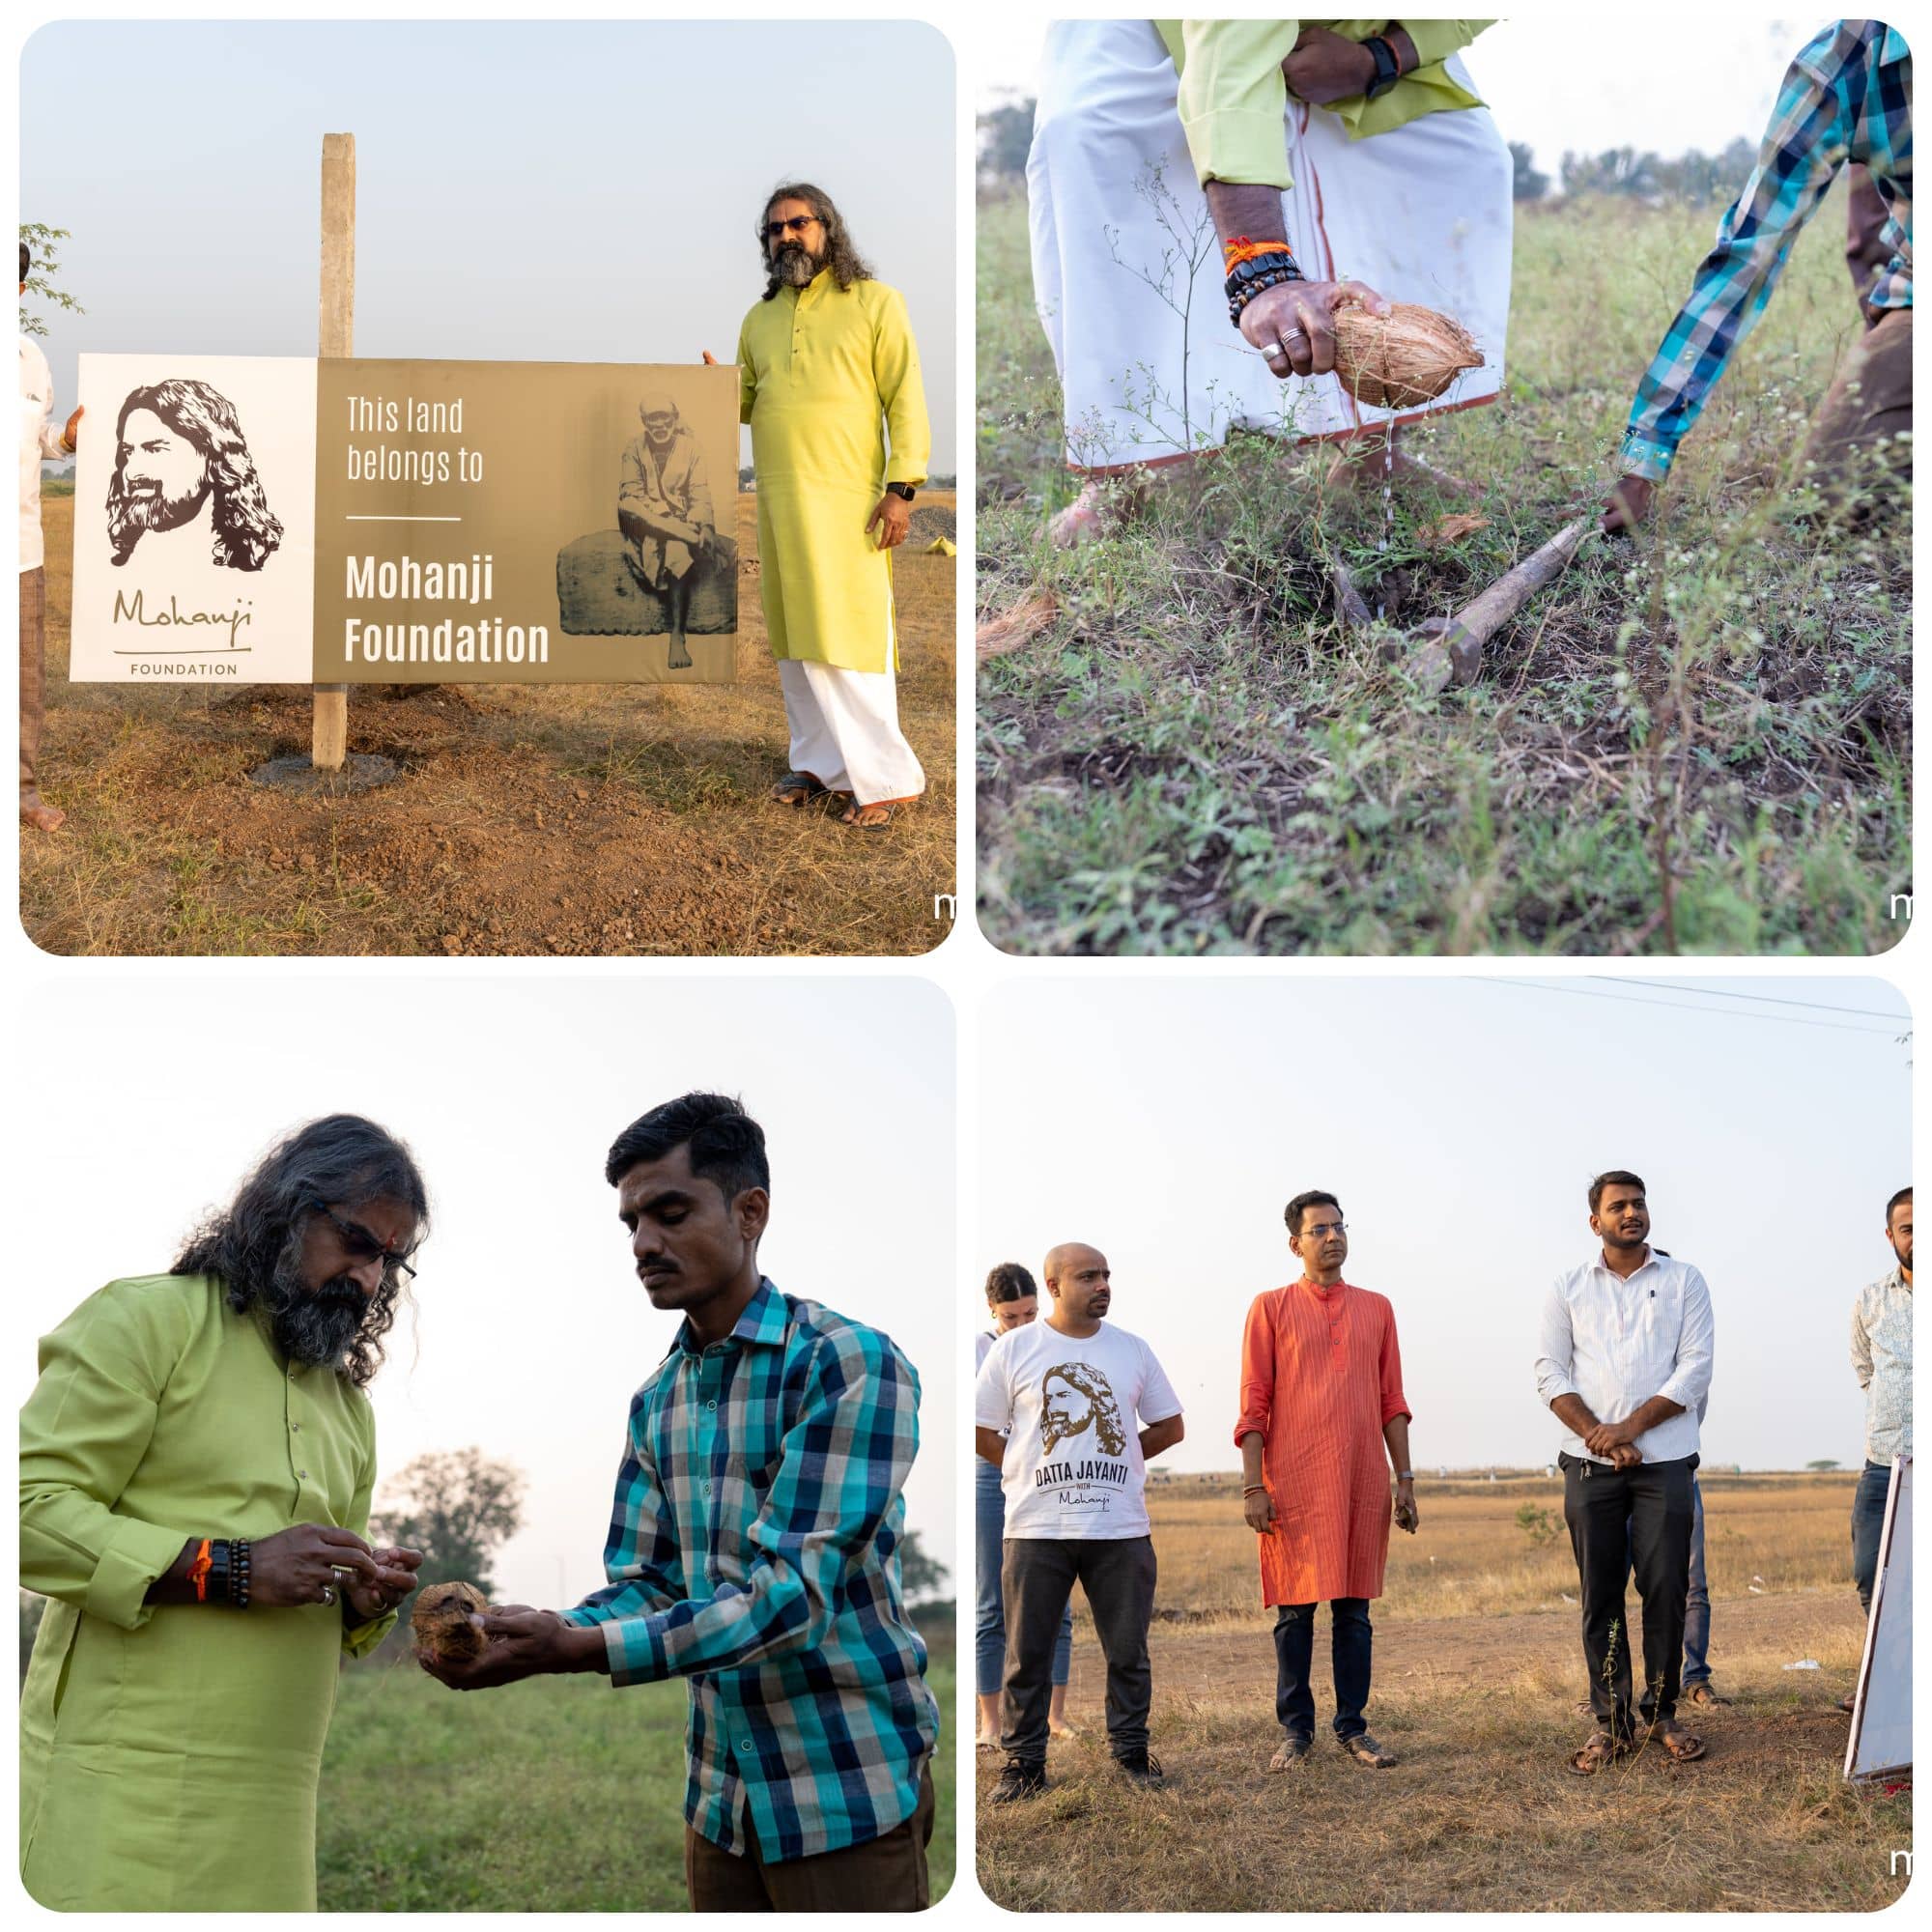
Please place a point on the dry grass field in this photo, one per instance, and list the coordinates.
(1478, 1670)
(527, 819)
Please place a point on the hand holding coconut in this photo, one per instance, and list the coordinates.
(466, 1644)
(1295, 325)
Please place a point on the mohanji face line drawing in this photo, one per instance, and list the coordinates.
(1081, 1398)
(178, 446)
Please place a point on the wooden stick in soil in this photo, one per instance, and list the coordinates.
(1463, 636)
(328, 741)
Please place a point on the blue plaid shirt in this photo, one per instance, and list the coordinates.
(754, 1552)
(1847, 97)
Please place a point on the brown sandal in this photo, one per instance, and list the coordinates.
(1683, 1747)
(1598, 1754)
(1292, 1753)
(798, 789)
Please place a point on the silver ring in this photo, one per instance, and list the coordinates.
(328, 1595)
(1295, 335)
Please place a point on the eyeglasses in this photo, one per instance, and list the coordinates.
(797, 225)
(1318, 1231)
(361, 1244)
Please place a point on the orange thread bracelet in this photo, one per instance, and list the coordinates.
(198, 1570)
(1237, 248)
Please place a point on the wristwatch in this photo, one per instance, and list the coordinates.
(903, 489)
(1405, 1476)
(1388, 70)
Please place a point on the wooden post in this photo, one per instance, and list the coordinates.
(329, 739)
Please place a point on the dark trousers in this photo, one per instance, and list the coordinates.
(33, 678)
(1352, 1639)
(1868, 1526)
(1625, 1521)
(884, 1874)
(1037, 1581)
(989, 1610)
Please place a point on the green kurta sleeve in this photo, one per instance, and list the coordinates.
(901, 391)
(1232, 96)
(83, 1433)
(359, 1639)
(747, 378)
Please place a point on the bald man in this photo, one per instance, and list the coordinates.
(663, 507)
(1071, 1410)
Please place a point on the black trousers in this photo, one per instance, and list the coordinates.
(1625, 1522)
(1352, 1647)
(1036, 1578)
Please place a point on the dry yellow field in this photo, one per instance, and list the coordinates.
(1478, 1671)
(527, 819)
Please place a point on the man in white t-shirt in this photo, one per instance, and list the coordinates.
(1070, 1410)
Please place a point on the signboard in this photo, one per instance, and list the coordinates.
(1880, 1740)
(262, 520)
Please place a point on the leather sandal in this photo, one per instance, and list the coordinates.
(1292, 1753)
(798, 789)
(1682, 1746)
(1598, 1754)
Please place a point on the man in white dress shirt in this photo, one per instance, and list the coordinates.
(1624, 1364)
(1882, 1361)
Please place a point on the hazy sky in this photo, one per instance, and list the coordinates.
(153, 1095)
(1459, 1123)
(547, 192)
(1565, 80)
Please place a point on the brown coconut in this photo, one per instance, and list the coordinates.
(440, 1621)
(1398, 360)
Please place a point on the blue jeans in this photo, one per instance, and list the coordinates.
(1350, 1645)
(1697, 1603)
(989, 1617)
(1868, 1526)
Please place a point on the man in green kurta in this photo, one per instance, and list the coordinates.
(196, 1464)
(828, 371)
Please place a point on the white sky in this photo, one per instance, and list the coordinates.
(526, 190)
(1564, 79)
(1168, 1123)
(153, 1096)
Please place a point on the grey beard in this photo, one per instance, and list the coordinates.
(318, 1325)
(795, 267)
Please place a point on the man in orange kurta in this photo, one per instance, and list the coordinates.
(1320, 1401)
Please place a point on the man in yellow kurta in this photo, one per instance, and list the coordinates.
(196, 1464)
(827, 372)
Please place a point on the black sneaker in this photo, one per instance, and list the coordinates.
(1142, 1767)
(1018, 1782)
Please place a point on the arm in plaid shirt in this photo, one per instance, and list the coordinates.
(1831, 94)
(843, 1464)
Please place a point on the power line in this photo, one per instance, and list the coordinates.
(1762, 999)
(1684, 1005)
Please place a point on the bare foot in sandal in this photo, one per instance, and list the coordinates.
(1598, 1754)
(1102, 507)
(797, 789)
(872, 817)
(1683, 1747)
(1364, 465)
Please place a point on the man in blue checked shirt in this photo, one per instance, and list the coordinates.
(1847, 98)
(753, 1550)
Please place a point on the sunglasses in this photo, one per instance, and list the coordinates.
(797, 225)
(361, 1244)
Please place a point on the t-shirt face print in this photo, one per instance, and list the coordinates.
(1074, 1407)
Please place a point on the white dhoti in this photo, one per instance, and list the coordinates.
(1127, 272)
(845, 731)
